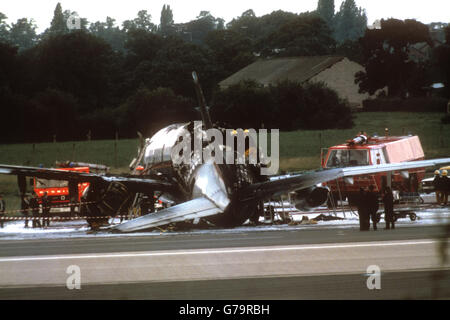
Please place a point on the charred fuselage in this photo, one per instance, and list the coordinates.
(219, 183)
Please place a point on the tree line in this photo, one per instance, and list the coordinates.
(105, 78)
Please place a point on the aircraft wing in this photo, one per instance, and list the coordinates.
(193, 209)
(282, 184)
(54, 174)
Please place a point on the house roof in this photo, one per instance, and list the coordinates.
(298, 69)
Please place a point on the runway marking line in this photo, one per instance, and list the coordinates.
(210, 251)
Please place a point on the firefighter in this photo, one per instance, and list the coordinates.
(45, 211)
(2, 210)
(364, 223)
(372, 205)
(34, 206)
(388, 201)
(445, 186)
(25, 205)
(437, 183)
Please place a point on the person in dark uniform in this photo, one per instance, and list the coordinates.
(34, 206)
(2, 210)
(25, 205)
(437, 184)
(364, 223)
(45, 211)
(372, 204)
(445, 181)
(388, 201)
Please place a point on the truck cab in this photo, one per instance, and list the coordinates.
(58, 190)
(374, 151)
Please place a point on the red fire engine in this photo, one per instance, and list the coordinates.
(364, 150)
(58, 190)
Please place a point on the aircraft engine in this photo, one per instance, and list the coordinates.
(105, 200)
(309, 198)
(115, 200)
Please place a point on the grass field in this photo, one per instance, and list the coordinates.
(299, 150)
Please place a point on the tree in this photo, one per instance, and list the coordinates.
(325, 9)
(307, 35)
(200, 27)
(166, 26)
(220, 24)
(286, 105)
(386, 57)
(59, 22)
(309, 106)
(77, 63)
(55, 114)
(258, 29)
(142, 22)
(350, 49)
(247, 24)
(231, 51)
(269, 24)
(172, 67)
(8, 64)
(23, 33)
(168, 62)
(20, 113)
(141, 46)
(110, 33)
(62, 20)
(150, 110)
(441, 61)
(350, 22)
(4, 28)
(244, 105)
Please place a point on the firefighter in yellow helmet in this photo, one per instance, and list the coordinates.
(437, 183)
(445, 186)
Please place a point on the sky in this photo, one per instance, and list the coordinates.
(41, 11)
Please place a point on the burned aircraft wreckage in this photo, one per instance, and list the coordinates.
(212, 192)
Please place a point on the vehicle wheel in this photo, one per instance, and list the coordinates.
(413, 217)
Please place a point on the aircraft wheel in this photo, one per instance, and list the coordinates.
(413, 217)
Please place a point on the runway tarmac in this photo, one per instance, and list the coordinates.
(298, 264)
(425, 284)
